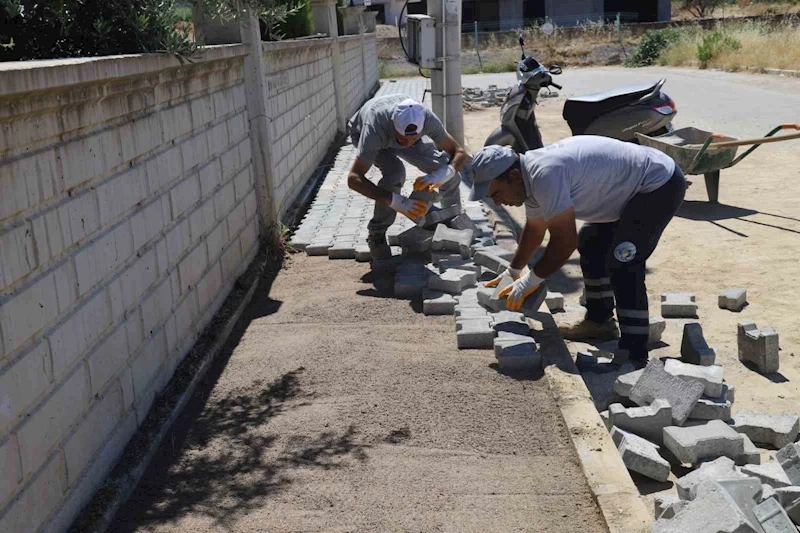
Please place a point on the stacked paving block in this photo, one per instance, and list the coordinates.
(758, 346)
(678, 305)
(733, 299)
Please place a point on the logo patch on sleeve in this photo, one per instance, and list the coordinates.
(625, 252)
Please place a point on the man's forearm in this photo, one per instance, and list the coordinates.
(362, 185)
(555, 255)
(459, 159)
(529, 242)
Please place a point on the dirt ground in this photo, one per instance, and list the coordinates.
(336, 408)
(751, 240)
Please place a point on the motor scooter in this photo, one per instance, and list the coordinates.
(619, 113)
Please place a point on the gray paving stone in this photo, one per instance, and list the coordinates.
(499, 251)
(462, 221)
(662, 502)
(452, 281)
(505, 339)
(470, 313)
(461, 264)
(437, 303)
(494, 263)
(511, 322)
(452, 240)
(533, 303)
(710, 376)
(601, 386)
(692, 445)
(733, 299)
(787, 495)
(618, 434)
(517, 356)
(474, 334)
(342, 250)
(317, 248)
(777, 430)
(789, 459)
(655, 383)
(716, 470)
(362, 253)
(694, 348)
(437, 258)
(729, 392)
(647, 422)
(604, 416)
(415, 240)
(758, 346)
(773, 517)
(770, 473)
(711, 409)
(746, 494)
(657, 327)
(766, 493)
(554, 301)
(625, 382)
(678, 305)
(751, 455)
(641, 456)
(485, 296)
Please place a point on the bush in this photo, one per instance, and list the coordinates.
(651, 45)
(713, 44)
(300, 23)
(70, 28)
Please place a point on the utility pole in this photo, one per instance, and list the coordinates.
(446, 82)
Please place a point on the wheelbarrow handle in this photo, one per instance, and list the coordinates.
(759, 140)
(768, 138)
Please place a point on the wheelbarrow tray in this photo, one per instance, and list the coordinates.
(684, 144)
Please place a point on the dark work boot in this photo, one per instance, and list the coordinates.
(378, 247)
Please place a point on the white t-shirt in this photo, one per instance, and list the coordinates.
(597, 176)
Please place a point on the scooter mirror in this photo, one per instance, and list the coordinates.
(521, 40)
(555, 70)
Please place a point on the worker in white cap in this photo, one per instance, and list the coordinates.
(387, 129)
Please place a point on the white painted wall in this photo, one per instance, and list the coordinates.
(127, 211)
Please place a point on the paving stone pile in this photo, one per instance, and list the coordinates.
(679, 412)
(443, 261)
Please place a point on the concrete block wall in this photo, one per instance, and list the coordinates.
(303, 111)
(371, 62)
(352, 77)
(127, 210)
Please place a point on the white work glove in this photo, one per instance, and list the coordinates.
(435, 179)
(521, 289)
(413, 209)
(513, 272)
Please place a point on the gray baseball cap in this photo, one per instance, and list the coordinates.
(487, 164)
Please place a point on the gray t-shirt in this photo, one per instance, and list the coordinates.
(374, 120)
(595, 175)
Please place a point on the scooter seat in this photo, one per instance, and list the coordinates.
(581, 111)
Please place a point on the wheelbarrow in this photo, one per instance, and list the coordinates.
(701, 152)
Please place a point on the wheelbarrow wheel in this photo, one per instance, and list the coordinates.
(712, 186)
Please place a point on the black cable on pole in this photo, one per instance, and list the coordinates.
(400, 35)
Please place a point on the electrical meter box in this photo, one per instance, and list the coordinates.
(421, 32)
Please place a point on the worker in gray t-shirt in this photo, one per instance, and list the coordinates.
(391, 127)
(625, 193)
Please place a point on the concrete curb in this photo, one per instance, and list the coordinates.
(616, 495)
(99, 513)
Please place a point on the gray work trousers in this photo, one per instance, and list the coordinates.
(424, 155)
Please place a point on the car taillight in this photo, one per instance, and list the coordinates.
(667, 109)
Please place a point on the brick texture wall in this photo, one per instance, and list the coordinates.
(127, 210)
(303, 107)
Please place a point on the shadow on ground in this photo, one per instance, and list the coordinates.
(213, 462)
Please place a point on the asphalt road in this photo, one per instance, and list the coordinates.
(739, 105)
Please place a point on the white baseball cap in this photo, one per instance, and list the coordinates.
(409, 117)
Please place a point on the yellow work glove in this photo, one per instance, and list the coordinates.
(513, 272)
(413, 209)
(521, 289)
(435, 179)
